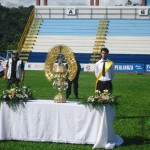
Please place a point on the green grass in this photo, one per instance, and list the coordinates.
(130, 121)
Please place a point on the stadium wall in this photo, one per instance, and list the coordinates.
(92, 12)
(119, 67)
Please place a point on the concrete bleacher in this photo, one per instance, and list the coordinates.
(128, 36)
(79, 35)
(78, 44)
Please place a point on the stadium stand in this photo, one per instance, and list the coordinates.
(79, 35)
(128, 36)
(127, 39)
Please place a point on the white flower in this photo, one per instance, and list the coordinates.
(105, 91)
(106, 97)
(24, 87)
(97, 91)
(26, 96)
(10, 96)
(92, 100)
(4, 96)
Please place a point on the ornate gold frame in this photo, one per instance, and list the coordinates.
(69, 58)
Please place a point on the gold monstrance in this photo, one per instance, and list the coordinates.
(60, 75)
(57, 55)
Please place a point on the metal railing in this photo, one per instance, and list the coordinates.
(117, 12)
(26, 30)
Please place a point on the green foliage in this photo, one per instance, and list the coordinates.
(132, 114)
(12, 24)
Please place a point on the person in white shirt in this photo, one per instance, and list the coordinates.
(1, 70)
(104, 72)
(14, 71)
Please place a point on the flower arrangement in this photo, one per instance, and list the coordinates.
(16, 96)
(101, 98)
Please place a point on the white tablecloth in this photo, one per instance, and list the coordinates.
(44, 120)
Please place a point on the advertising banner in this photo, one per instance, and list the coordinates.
(89, 67)
(147, 68)
(125, 67)
(138, 68)
(34, 66)
(119, 67)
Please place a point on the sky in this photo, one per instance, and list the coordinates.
(26, 3)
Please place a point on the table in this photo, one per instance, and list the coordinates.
(70, 122)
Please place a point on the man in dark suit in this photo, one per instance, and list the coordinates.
(74, 82)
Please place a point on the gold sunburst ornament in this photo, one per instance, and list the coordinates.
(58, 55)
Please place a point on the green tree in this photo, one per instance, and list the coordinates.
(12, 24)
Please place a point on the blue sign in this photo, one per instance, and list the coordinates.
(147, 68)
(138, 67)
(122, 67)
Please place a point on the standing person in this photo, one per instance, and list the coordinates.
(1, 70)
(14, 71)
(74, 82)
(104, 72)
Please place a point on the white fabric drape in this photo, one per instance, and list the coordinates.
(44, 120)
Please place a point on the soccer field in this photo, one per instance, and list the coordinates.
(132, 119)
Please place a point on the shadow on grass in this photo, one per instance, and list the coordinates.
(135, 141)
